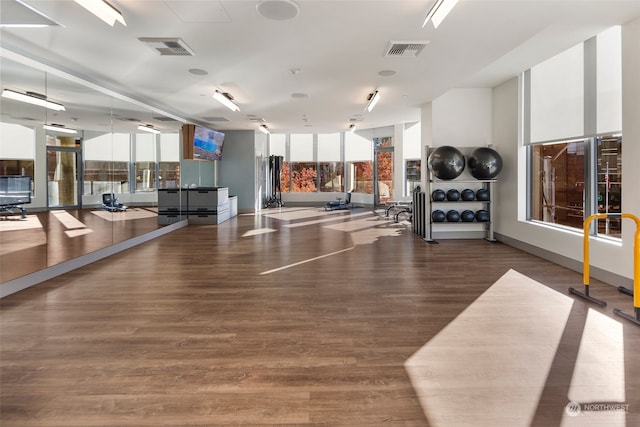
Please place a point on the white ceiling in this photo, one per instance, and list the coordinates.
(337, 46)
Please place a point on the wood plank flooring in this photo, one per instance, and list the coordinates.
(302, 317)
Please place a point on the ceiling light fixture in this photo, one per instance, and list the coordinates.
(439, 11)
(373, 100)
(103, 10)
(226, 100)
(264, 129)
(59, 128)
(148, 128)
(32, 98)
(352, 128)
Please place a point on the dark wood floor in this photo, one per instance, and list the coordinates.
(294, 318)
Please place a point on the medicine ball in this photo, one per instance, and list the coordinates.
(453, 216)
(482, 215)
(438, 195)
(438, 216)
(482, 195)
(446, 162)
(467, 216)
(484, 163)
(467, 195)
(453, 195)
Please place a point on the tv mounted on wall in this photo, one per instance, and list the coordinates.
(207, 144)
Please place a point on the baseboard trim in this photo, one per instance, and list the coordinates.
(597, 273)
(32, 279)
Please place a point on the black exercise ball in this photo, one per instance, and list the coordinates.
(446, 162)
(482, 215)
(438, 216)
(438, 195)
(467, 195)
(482, 195)
(453, 216)
(453, 195)
(467, 216)
(484, 163)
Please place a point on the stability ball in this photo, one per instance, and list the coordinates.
(453, 216)
(484, 163)
(467, 216)
(438, 195)
(453, 195)
(482, 215)
(438, 216)
(467, 195)
(446, 162)
(482, 195)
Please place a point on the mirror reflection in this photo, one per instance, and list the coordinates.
(93, 170)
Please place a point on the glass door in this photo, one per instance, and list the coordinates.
(62, 177)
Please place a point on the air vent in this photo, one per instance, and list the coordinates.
(163, 119)
(215, 119)
(167, 46)
(410, 49)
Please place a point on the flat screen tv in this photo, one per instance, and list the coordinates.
(207, 144)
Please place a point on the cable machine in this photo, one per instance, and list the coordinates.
(275, 197)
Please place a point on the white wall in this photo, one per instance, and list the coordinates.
(606, 255)
(462, 118)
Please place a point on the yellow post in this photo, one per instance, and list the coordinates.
(636, 267)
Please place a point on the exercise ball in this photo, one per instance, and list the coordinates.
(482, 195)
(467, 216)
(453, 195)
(467, 195)
(438, 195)
(438, 216)
(484, 163)
(446, 162)
(453, 216)
(482, 215)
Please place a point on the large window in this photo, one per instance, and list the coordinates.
(331, 169)
(169, 165)
(359, 156)
(573, 118)
(106, 163)
(17, 144)
(304, 169)
(145, 164)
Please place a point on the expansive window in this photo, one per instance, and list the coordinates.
(17, 151)
(145, 164)
(106, 163)
(331, 169)
(304, 169)
(169, 165)
(359, 157)
(573, 127)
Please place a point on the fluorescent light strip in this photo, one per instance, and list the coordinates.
(439, 11)
(30, 99)
(375, 97)
(59, 128)
(103, 10)
(225, 100)
(264, 129)
(148, 128)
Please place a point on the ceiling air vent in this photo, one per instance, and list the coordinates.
(410, 49)
(167, 46)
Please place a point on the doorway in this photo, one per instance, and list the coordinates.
(63, 172)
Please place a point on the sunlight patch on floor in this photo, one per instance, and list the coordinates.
(29, 223)
(329, 218)
(289, 214)
(490, 364)
(78, 232)
(69, 221)
(305, 261)
(258, 231)
(127, 215)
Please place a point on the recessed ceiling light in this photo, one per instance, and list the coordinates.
(198, 72)
(298, 95)
(386, 73)
(279, 10)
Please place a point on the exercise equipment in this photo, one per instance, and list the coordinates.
(484, 163)
(453, 216)
(275, 168)
(483, 195)
(453, 195)
(635, 318)
(446, 162)
(15, 191)
(467, 216)
(467, 195)
(339, 203)
(482, 215)
(111, 204)
(438, 216)
(438, 195)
